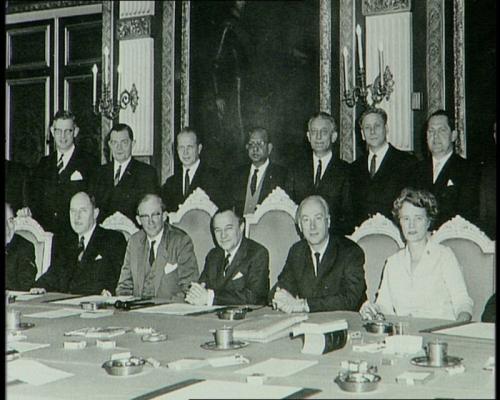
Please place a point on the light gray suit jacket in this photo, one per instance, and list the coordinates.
(175, 265)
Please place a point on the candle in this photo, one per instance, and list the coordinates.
(360, 46)
(94, 84)
(381, 61)
(346, 79)
(106, 63)
(119, 73)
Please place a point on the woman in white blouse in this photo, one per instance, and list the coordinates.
(424, 279)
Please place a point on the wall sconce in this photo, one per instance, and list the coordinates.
(106, 106)
(382, 86)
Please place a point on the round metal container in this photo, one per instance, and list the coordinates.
(232, 314)
(124, 366)
(379, 327)
(358, 382)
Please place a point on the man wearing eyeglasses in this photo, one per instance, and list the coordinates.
(121, 183)
(59, 176)
(159, 261)
(251, 184)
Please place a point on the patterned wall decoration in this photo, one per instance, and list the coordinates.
(167, 90)
(185, 49)
(107, 40)
(12, 7)
(435, 56)
(129, 9)
(459, 75)
(325, 55)
(373, 7)
(133, 28)
(347, 114)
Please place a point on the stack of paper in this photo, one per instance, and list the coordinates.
(267, 328)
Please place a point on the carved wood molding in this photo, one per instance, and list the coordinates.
(185, 49)
(373, 7)
(120, 222)
(107, 40)
(459, 75)
(435, 56)
(25, 6)
(378, 225)
(325, 55)
(198, 200)
(133, 28)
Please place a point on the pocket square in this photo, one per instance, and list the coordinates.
(237, 276)
(170, 268)
(450, 183)
(76, 176)
(99, 257)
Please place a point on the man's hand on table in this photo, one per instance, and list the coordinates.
(369, 310)
(106, 293)
(197, 294)
(464, 316)
(285, 302)
(37, 290)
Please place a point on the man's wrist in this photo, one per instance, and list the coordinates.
(210, 297)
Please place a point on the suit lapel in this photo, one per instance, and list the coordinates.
(443, 176)
(385, 165)
(127, 174)
(266, 183)
(238, 258)
(90, 250)
(70, 167)
(143, 256)
(160, 259)
(328, 259)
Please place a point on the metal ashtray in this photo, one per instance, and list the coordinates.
(124, 366)
(357, 381)
(92, 305)
(379, 327)
(232, 313)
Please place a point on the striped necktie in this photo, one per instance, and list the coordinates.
(117, 175)
(60, 164)
(253, 182)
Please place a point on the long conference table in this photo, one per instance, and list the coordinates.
(187, 333)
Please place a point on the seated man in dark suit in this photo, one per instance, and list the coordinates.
(59, 176)
(20, 267)
(160, 260)
(449, 177)
(322, 272)
(194, 173)
(323, 173)
(120, 184)
(490, 310)
(89, 260)
(16, 175)
(251, 184)
(235, 272)
(379, 176)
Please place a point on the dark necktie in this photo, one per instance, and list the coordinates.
(318, 175)
(317, 256)
(226, 264)
(253, 182)
(152, 253)
(373, 165)
(117, 175)
(186, 183)
(60, 164)
(81, 248)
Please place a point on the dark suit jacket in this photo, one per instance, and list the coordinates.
(16, 175)
(137, 180)
(205, 178)
(377, 194)
(274, 176)
(488, 199)
(456, 188)
(247, 277)
(98, 269)
(20, 267)
(334, 188)
(50, 193)
(340, 284)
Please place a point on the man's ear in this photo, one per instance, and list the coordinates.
(164, 216)
(77, 129)
(269, 148)
(96, 212)
(334, 136)
(138, 220)
(308, 136)
(454, 135)
(200, 146)
(52, 130)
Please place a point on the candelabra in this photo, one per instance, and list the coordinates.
(378, 90)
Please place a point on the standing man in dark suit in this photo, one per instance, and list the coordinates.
(449, 177)
(235, 272)
(89, 260)
(194, 173)
(120, 184)
(323, 173)
(59, 176)
(322, 272)
(379, 176)
(251, 184)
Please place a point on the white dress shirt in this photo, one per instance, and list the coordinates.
(325, 160)
(192, 171)
(123, 165)
(260, 173)
(438, 164)
(157, 240)
(87, 236)
(321, 252)
(65, 156)
(380, 156)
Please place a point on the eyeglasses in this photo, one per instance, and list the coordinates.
(154, 216)
(60, 132)
(256, 144)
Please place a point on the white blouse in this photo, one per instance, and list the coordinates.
(434, 289)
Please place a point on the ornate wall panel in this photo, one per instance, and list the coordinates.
(347, 114)
(459, 75)
(435, 55)
(167, 91)
(130, 9)
(107, 41)
(373, 7)
(133, 28)
(185, 50)
(325, 55)
(393, 32)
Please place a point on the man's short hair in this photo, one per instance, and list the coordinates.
(63, 114)
(322, 115)
(223, 210)
(90, 196)
(189, 129)
(373, 110)
(122, 127)
(318, 198)
(438, 113)
(148, 197)
(259, 129)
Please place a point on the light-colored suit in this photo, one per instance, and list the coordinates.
(175, 265)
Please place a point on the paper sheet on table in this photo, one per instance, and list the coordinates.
(75, 301)
(34, 372)
(22, 347)
(63, 312)
(213, 389)
(23, 296)
(277, 367)
(177, 309)
(477, 330)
